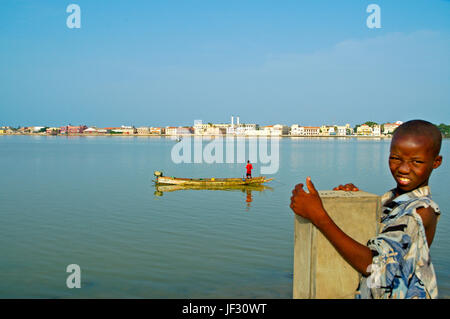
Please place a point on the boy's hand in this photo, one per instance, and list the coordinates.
(308, 205)
(347, 187)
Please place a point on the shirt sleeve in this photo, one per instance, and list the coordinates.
(397, 252)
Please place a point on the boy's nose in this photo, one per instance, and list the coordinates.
(404, 168)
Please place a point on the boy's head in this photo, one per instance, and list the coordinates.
(414, 154)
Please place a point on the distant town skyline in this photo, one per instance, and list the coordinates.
(170, 63)
(234, 120)
(235, 128)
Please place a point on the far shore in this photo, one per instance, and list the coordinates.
(210, 136)
(194, 135)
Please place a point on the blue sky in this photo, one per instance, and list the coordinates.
(172, 62)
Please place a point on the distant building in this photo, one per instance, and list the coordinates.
(241, 128)
(185, 130)
(311, 130)
(23, 130)
(244, 129)
(364, 130)
(276, 130)
(171, 130)
(332, 130)
(36, 129)
(344, 130)
(215, 130)
(157, 130)
(259, 132)
(181, 130)
(113, 130)
(200, 128)
(329, 130)
(376, 130)
(143, 130)
(324, 130)
(90, 131)
(6, 130)
(210, 129)
(297, 130)
(124, 130)
(69, 129)
(128, 130)
(53, 130)
(389, 128)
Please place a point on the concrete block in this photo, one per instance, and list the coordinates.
(319, 270)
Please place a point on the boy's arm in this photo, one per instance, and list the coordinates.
(429, 220)
(309, 205)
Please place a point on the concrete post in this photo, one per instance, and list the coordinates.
(319, 270)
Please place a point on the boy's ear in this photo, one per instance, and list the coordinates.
(437, 161)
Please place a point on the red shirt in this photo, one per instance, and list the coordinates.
(249, 168)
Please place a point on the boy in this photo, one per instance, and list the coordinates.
(396, 263)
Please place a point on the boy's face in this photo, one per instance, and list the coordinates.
(412, 160)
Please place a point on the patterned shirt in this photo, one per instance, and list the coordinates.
(401, 264)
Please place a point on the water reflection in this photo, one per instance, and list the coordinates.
(248, 199)
(245, 189)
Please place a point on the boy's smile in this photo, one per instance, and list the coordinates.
(411, 161)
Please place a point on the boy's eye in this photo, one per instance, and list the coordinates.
(393, 158)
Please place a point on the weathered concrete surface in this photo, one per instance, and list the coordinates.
(319, 270)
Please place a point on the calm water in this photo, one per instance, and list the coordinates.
(90, 201)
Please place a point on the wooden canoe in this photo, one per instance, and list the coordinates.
(165, 180)
(172, 188)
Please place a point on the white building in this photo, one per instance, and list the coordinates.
(171, 130)
(143, 130)
(210, 129)
(215, 130)
(245, 129)
(276, 130)
(297, 130)
(344, 130)
(311, 130)
(180, 130)
(328, 130)
(200, 128)
(376, 130)
(365, 130)
(90, 130)
(389, 128)
(37, 128)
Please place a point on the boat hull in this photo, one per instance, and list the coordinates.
(172, 188)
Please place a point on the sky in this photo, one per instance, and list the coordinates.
(159, 63)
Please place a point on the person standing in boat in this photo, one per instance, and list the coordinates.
(249, 168)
